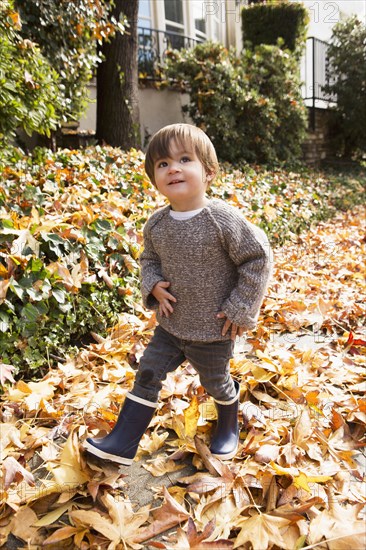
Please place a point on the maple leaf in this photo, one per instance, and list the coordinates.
(10, 436)
(339, 526)
(68, 470)
(168, 515)
(262, 531)
(120, 527)
(22, 526)
(151, 443)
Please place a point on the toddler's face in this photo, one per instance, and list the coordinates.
(182, 179)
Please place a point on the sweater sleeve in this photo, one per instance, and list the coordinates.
(150, 270)
(249, 249)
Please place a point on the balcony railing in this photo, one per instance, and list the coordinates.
(316, 75)
(153, 45)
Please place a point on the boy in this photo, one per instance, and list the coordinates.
(204, 269)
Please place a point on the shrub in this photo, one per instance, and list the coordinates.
(68, 33)
(29, 94)
(347, 62)
(250, 106)
(67, 264)
(266, 23)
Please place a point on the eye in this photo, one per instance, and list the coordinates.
(185, 159)
(162, 164)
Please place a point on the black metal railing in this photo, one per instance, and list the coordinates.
(153, 45)
(316, 75)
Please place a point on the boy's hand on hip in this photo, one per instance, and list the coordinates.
(234, 329)
(163, 297)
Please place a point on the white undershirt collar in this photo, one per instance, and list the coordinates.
(184, 215)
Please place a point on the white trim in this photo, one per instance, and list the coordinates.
(233, 400)
(227, 456)
(107, 456)
(141, 401)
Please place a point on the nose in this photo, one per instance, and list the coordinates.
(174, 167)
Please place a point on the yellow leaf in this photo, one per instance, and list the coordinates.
(262, 375)
(191, 416)
(69, 471)
(284, 471)
(53, 516)
(302, 481)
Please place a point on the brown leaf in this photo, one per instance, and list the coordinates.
(122, 524)
(22, 526)
(61, 534)
(168, 515)
(213, 465)
(262, 531)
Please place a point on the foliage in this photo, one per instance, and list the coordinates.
(68, 33)
(250, 106)
(265, 23)
(347, 80)
(30, 97)
(70, 263)
(297, 478)
(71, 231)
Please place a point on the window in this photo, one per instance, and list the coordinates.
(174, 11)
(147, 54)
(174, 23)
(144, 19)
(198, 11)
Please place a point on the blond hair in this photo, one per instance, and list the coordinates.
(190, 137)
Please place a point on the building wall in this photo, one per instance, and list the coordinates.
(157, 109)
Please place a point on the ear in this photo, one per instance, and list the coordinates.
(209, 176)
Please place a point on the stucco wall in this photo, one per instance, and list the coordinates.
(157, 109)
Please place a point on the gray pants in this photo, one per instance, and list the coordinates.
(166, 352)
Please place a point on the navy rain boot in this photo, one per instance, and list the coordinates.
(225, 440)
(121, 444)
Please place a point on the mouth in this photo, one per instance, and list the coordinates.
(174, 182)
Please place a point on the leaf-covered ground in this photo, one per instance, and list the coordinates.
(70, 232)
(296, 479)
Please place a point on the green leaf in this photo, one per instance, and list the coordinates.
(30, 312)
(59, 295)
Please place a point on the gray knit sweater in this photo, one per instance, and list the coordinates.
(215, 261)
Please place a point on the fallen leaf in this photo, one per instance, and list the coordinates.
(161, 465)
(120, 527)
(15, 472)
(191, 416)
(262, 531)
(168, 515)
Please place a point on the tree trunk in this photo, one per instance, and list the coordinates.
(117, 84)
